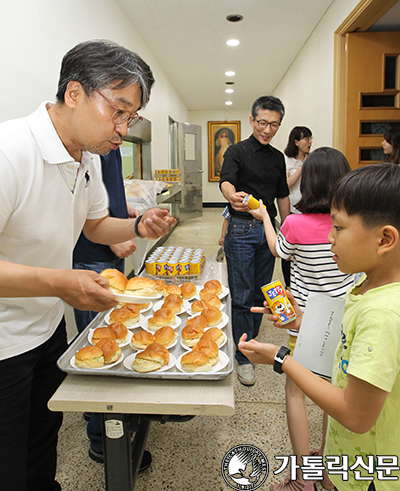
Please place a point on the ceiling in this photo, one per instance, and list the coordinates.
(188, 39)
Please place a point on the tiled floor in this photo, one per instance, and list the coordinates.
(187, 456)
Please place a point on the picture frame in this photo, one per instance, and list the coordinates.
(221, 134)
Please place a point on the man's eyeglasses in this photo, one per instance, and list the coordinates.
(122, 115)
(263, 124)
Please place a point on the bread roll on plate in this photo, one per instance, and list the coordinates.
(165, 336)
(140, 286)
(134, 306)
(127, 316)
(172, 289)
(188, 290)
(208, 347)
(198, 320)
(162, 317)
(120, 331)
(161, 349)
(89, 357)
(191, 334)
(117, 280)
(213, 286)
(212, 315)
(103, 333)
(148, 361)
(198, 306)
(142, 339)
(214, 334)
(111, 350)
(196, 362)
(160, 286)
(210, 299)
(173, 302)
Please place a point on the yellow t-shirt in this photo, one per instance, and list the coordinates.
(369, 350)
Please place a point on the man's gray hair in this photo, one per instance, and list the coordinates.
(101, 63)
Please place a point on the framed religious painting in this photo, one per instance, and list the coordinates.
(221, 134)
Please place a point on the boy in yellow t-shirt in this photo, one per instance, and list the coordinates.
(363, 400)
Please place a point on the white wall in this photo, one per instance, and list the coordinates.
(307, 87)
(36, 34)
(211, 192)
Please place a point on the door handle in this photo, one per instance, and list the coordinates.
(200, 171)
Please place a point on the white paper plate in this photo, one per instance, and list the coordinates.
(185, 306)
(132, 326)
(221, 324)
(132, 299)
(184, 346)
(144, 324)
(168, 347)
(220, 365)
(131, 358)
(142, 310)
(121, 345)
(105, 367)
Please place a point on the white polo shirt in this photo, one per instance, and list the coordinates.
(45, 198)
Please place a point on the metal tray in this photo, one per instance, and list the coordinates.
(120, 371)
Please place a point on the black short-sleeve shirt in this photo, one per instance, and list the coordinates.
(256, 169)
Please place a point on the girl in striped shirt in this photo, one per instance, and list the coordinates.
(303, 238)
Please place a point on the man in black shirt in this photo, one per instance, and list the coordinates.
(254, 167)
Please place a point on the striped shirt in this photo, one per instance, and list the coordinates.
(303, 239)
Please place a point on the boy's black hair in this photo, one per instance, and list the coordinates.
(372, 193)
(321, 169)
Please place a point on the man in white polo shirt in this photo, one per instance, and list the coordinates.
(50, 189)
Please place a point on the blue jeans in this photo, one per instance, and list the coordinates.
(82, 319)
(28, 429)
(250, 266)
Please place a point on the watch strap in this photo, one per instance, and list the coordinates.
(280, 358)
(135, 226)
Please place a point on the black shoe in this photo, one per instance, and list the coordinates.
(144, 464)
(87, 416)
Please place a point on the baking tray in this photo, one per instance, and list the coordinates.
(119, 370)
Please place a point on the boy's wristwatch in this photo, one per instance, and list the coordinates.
(280, 358)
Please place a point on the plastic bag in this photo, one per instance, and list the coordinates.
(142, 195)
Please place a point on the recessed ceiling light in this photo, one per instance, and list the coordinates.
(229, 91)
(228, 103)
(230, 74)
(234, 18)
(233, 42)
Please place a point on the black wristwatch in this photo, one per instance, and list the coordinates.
(280, 358)
(135, 226)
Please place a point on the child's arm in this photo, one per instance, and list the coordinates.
(356, 408)
(262, 214)
(223, 232)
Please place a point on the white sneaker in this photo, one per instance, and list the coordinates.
(245, 374)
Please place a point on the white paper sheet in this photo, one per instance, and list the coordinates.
(319, 334)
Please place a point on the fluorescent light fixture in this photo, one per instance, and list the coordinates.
(233, 42)
(228, 103)
(230, 74)
(229, 91)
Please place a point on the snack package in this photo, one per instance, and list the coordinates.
(278, 302)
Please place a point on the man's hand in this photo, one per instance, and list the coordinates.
(257, 353)
(236, 201)
(274, 318)
(124, 249)
(85, 290)
(155, 223)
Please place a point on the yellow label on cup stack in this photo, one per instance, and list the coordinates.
(278, 302)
